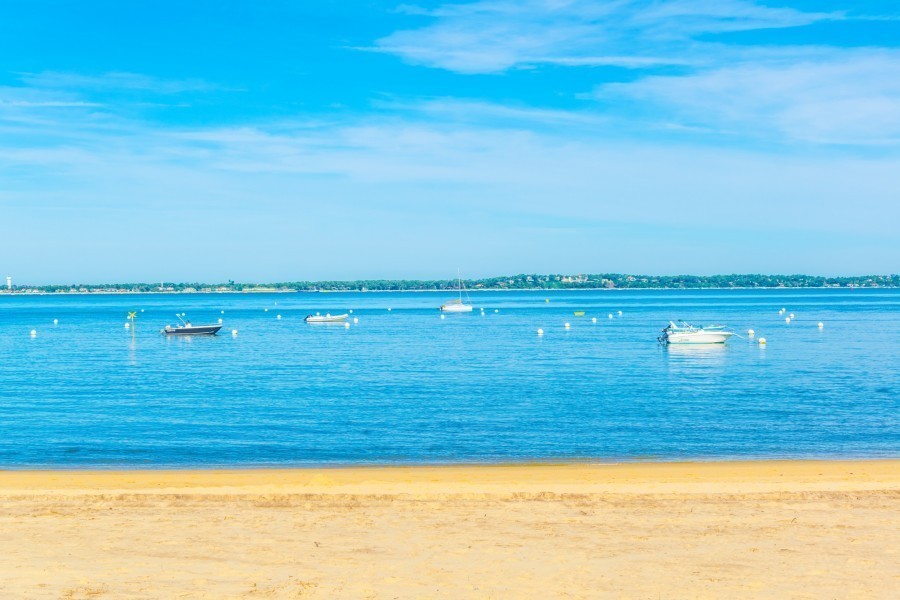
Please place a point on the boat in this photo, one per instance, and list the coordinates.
(186, 328)
(327, 318)
(685, 333)
(457, 306)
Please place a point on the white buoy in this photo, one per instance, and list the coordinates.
(792, 315)
(610, 315)
(223, 312)
(496, 310)
(567, 325)
(346, 325)
(762, 341)
(389, 309)
(593, 319)
(540, 332)
(142, 310)
(787, 319)
(442, 316)
(182, 314)
(784, 310)
(220, 321)
(278, 317)
(34, 333)
(351, 311)
(265, 310)
(821, 324)
(234, 332)
(127, 325)
(355, 320)
(751, 333)
(620, 313)
(56, 321)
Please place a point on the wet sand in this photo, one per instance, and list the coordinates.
(772, 529)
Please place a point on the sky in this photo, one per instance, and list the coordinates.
(283, 140)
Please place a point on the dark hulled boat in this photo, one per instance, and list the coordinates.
(186, 328)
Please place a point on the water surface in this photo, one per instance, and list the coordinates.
(405, 386)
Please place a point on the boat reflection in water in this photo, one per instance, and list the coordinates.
(691, 358)
(697, 351)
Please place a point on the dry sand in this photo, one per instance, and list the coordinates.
(715, 530)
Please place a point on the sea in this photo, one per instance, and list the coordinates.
(402, 385)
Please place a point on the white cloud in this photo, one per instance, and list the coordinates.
(113, 81)
(514, 162)
(459, 110)
(837, 97)
(32, 98)
(530, 188)
(791, 93)
(680, 19)
(495, 35)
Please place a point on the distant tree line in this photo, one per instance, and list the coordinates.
(512, 282)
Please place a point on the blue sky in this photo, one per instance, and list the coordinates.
(279, 141)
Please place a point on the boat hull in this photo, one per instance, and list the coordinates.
(326, 319)
(698, 337)
(456, 308)
(193, 330)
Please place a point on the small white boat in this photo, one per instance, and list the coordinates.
(186, 328)
(685, 333)
(458, 306)
(326, 318)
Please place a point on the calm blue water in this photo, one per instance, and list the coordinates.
(406, 386)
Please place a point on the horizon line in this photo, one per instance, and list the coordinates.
(537, 280)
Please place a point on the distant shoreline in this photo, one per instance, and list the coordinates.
(523, 282)
(5, 293)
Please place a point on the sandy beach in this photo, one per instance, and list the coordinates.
(794, 529)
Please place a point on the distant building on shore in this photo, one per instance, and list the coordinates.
(9, 282)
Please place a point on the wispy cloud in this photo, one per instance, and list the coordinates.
(496, 35)
(836, 97)
(471, 111)
(113, 101)
(509, 160)
(816, 94)
(114, 81)
(29, 97)
(519, 180)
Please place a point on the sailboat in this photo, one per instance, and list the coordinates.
(458, 306)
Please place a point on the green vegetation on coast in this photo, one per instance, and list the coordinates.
(513, 282)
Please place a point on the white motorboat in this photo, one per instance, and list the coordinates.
(458, 306)
(326, 318)
(685, 333)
